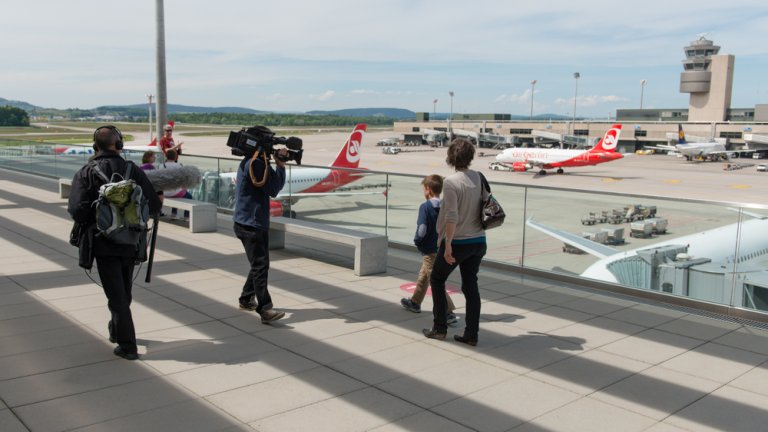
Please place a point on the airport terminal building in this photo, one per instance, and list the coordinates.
(707, 76)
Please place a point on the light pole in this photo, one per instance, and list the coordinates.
(642, 88)
(576, 77)
(434, 109)
(149, 95)
(533, 86)
(450, 119)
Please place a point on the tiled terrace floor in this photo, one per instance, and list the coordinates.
(346, 357)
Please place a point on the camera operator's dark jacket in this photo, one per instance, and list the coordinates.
(252, 203)
(85, 190)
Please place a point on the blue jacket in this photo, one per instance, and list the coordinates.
(426, 226)
(252, 203)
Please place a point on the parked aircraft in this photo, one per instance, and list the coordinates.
(711, 150)
(524, 159)
(715, 245)
(303, 182)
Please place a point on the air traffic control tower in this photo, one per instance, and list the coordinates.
(708, 77)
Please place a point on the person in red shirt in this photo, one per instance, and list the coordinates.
(168, 143)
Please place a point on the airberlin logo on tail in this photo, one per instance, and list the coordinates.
(611, 139)
(353, 149)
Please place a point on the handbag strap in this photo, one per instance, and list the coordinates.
(484, 182)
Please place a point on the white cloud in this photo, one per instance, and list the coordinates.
(590, 100)
(328, 95)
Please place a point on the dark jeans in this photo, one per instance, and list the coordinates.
(256, 244)
(468, 258)
(174, 211)
(116, 274)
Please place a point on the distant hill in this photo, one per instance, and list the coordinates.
(396, 113)
(175, 109)
(18, 104)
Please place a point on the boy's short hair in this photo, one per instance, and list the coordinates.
(171, 155)
(434, 183)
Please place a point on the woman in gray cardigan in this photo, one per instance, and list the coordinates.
(462, 242)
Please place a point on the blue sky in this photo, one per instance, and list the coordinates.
(334, 54)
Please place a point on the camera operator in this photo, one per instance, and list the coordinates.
(257, 181)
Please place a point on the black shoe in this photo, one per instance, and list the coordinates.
(128, 356)
(252, 306)
(271, 315)
(434, 334)
(466, 340)
(410, 305)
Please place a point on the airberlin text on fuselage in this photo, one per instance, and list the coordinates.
(526, 154)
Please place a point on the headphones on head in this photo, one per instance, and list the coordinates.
(116, 131)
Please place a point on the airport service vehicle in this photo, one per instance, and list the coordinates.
(498, 166)
(762, 167)
(524, 159)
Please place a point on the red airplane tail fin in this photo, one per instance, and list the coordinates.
(349, 156)
(609, 141)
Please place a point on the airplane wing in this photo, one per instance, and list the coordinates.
(661, 147)
(296, 196)
(592, 248)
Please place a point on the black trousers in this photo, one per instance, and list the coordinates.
(468, 258)
(116, 274)
(256, 245)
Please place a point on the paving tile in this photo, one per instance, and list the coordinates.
(350, 345)
(646, 315)
(587, 414)
(269, 398)
(186, 416)
(727, 408)
(241, 372)
(30, 363)
(550, 318)
(16, 298)
(598, 331)
(30, 342)
(506, 404)
(755, 380)
(598, 304)
(424, 421)
(32, 324)
(529, 351)
(656, 392)
(300, 326)
(70, 381)
(10, 423)
(699, 327)
(445, 382)
(652, 346)
(715, 362)
(407, 359)
(171, 356)
(98, 406)
(588, 372)
(747, 338)
(361, 410)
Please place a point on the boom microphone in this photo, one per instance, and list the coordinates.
(168, 179)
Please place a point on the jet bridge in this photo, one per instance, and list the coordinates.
(551, 138)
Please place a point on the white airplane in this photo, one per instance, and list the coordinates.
(316, 182)
(711, 150)
(524, 159)
(717, 245)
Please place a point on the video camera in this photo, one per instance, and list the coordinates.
(260, 139)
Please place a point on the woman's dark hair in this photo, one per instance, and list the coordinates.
(147, 156)
(460, 153)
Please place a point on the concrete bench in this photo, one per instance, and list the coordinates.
(202, 215)
(370, 249)
(65, 185)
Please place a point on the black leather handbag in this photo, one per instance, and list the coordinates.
(491, 213)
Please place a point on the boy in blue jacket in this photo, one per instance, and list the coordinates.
(426, 241)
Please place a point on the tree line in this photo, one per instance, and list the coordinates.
(12, 116)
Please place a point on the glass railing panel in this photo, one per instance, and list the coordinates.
(747, 269)
(360, 204)
(404, 198)
(670, 246)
